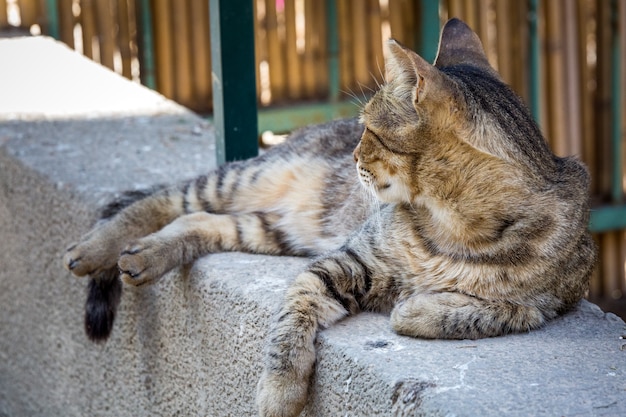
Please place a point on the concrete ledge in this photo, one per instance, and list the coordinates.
(191, 344)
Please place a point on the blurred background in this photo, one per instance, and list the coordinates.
(320, 59)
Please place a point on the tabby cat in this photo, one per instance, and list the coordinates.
(469, 226)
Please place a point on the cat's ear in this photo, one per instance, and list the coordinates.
(459, 45)
(411, 71)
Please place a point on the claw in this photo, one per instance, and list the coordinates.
(131, 251)
(72, 263)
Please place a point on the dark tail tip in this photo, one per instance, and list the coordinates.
(103, 297)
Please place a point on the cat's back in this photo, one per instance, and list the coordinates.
(305, 187)
(333, 140)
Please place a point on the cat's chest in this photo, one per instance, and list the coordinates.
(420, 263)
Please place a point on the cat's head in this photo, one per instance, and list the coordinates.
(425, 111)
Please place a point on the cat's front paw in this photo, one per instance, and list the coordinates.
(280, 395)
(90, 255)
(75, 260)
(143, 261)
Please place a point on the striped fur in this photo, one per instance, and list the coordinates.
(469, 227)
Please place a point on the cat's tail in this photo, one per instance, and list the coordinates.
(103, 297)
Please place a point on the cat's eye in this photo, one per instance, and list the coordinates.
(370, 131)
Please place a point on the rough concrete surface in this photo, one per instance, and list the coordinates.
(192, 343)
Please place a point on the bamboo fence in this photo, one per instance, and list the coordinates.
(293, 54)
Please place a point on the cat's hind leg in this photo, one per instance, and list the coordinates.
(453, 315)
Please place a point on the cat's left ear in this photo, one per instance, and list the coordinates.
(412, 72)
(460, 45)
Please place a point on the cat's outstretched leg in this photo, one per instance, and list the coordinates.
(193, 235)
(329, 290)
(99, 249)
(451, 315)
(290, 356)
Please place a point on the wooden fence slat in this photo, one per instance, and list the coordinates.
(376, 59)
(611, 268)
(359, 35)
(603, 94)
(125, 13)
(66, 22)
(402, 18)
(200, 35)
(346, 59)
(503, 40)
(620, 288)
(275, 53)
(543, 70)
(456, 8)
(471, 13)
(294, 82)
(483, 30)
(556, 88)
(396, 19)
(622, 46)
(4, 17)
(163, 47)
(182, 52)
(321, 53)
(105, 11)
(28, 12)
(309, 63)
(519, 53)
(596, 282)
(587, 117)
(88, 26)
(572, 76)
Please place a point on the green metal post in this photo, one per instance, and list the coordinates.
(427, 37)
(534, 52)
(617, 190)
(234, 81)
(145, 39)
(53, 19)
(333, 51)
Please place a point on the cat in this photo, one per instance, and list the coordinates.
(458, 220)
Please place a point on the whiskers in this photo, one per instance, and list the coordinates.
(357, 100)
(366, 91)
(382, 76)
(369, 195)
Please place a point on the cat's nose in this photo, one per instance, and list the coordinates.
(356, 152)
